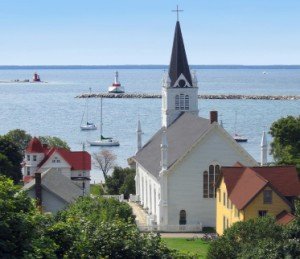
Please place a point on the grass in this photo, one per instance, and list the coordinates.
(196, 247)
(96, 189)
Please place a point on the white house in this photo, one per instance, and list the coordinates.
(75, 165)
(177, 168)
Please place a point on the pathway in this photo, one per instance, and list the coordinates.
(140, 214)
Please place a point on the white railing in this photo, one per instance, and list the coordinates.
(134, 198)
(117, 197)
(172, 228)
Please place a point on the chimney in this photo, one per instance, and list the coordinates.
(213, 116)
(38, 189)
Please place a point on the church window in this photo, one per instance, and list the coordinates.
(209, 180)
(187, 102)
(205, 184)
(219, 194)
(34, 158)
(224, 223)
(28, 157)
(181, 101)
(182, 217)
(177, 102)
(224, 199)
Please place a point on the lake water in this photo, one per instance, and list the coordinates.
(51, 109)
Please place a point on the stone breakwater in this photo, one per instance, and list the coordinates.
(200, 96)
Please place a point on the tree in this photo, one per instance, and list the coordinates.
(285, 146)
(54, 142)
(105, 161)
(11, 159)
(20, 138)
(121, 182)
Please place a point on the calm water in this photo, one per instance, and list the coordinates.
(51, 109)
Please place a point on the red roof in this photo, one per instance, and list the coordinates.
(78, 160)
(284, 217)
(35, 146)
(244, 183)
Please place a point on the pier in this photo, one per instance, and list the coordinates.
(200, 96)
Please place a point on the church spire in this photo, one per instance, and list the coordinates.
(179, 64)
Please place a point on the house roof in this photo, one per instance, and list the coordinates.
(35, 146)
(58, 184)
(78, 160)
(284, 217)
(244, 183)
(179, 64)
(181, 135)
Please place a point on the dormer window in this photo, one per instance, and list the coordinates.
(55, 160)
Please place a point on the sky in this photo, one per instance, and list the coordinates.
(120, 32)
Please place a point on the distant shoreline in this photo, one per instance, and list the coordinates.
(149, 67)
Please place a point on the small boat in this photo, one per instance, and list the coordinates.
(104, 141)
(36, 78)
(237, 137)
(116, 86)
(87, 125)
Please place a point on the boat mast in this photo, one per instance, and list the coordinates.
(101, 118)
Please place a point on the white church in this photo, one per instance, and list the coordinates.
(177, 168)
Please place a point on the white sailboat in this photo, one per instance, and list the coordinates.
(87, 125)
(237, 137)
(104, 141)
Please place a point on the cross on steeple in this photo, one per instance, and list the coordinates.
(177, 11)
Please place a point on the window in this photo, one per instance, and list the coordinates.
(224, 199)
(224, 223)
(181, 101)
(28, 170)
(34, 158)
(28, 157)
(205, 184)
(182, 217)
(187, 102)
(219, 193)
(262, 213)
(209, 180)
(177, 102)
(267, 197)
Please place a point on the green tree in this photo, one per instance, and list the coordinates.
(10, 160)
(20, 138)
(121, 182)
(285, 146)
(54, 142)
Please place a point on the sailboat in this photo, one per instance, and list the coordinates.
(237, 137)
(87, 125)
(104, 141)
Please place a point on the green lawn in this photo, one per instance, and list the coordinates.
(95, 189)
(196, 247)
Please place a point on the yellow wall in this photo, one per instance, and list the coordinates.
(229, 211)
(251, 211)
(277, 206)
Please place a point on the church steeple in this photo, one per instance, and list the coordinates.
(179, 64)
(180, 90)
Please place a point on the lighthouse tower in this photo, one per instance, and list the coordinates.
(179, 87)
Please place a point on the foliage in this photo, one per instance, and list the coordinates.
(20, 223)
(121, 182)
(97, 189)
(54, 142)
(285, 147)
(10, 159)
(105, 161)
(20, 138)
(259, 238)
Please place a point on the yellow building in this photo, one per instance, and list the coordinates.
(243, 193)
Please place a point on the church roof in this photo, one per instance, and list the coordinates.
(179, 64)
(181, 135)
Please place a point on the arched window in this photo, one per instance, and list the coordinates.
(182, 217)
(181, 101)
(187, 102)
(177, 102)
(205, 184)
(209, 180)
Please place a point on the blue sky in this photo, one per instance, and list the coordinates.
(98, 32)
